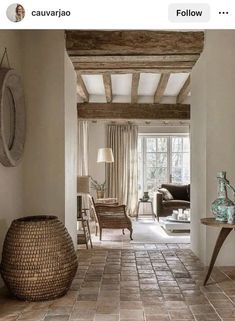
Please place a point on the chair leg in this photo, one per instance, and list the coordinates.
(100, 234)
(123, 232)
(96, 230)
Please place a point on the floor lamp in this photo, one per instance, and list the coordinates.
(83, 188)
(105, 155)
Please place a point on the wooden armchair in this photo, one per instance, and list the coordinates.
(112, 216)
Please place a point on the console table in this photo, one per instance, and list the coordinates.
(224, 232)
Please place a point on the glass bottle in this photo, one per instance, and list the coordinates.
(222, 199)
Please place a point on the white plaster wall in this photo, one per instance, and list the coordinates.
(11, 178)
(70, 149)
(163, 129)
(213, 137)
(198, 155)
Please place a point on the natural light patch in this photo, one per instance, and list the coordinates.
(121, 84)
(148, 84)
(94, 84)
(175, 83)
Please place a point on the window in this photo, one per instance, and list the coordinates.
(162, 159)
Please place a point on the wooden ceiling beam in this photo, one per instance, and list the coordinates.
(133, 111)
(184, 91)
(108, 87)
(161, 87)
(133, 59)
(134, 65)
(132, 71)
(81, 89)
(133, 42)
(134, 87)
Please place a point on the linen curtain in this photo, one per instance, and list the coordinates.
(121, 175)
(82, 168)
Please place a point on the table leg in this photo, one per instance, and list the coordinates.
(88, 226)
(138, 208)
(220, 240)
(154, 216)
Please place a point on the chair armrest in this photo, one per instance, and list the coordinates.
(157, 202)
(107, 204)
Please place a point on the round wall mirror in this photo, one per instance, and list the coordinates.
(12, 117)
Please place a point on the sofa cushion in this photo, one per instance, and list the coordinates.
(166, 195)
(175, 204)
(179, 192)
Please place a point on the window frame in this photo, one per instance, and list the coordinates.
(169, 152)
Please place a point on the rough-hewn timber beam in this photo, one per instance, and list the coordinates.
(135, 65)
(133, 111)
(114, 70)
(81, 89)
(133, 42)
(108, 87)
(161, 87)
(132, 59)
(184, 91)
(134, 87)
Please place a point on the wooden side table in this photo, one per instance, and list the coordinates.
(145, 202)
(84, 235)
(224, 232)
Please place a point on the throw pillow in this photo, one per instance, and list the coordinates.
(167, 196)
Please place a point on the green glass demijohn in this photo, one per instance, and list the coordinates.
(222, 199)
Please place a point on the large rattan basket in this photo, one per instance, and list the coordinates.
(38, 260)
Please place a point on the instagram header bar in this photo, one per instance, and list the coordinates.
(117, 14)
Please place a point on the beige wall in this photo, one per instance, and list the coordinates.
(44, 163)
(11, 178)
(213, 137)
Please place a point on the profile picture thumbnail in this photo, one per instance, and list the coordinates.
(15, 12)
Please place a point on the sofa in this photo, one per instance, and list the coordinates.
(165, 207)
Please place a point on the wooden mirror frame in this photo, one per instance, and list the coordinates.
(11, 155)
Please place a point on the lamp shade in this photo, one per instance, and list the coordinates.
(105, 155)
(83, 184)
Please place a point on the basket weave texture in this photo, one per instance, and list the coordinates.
(38, 260)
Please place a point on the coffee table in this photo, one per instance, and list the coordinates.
(173, 225)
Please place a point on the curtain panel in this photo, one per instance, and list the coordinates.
(82, 148)
(122, 181)
(82, 166)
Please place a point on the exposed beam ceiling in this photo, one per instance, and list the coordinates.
(184, 91)
(134, 87)
(81, 89)
(108, 87)
(104, 52)
(133, 111)
(97, 51)
(161, 87)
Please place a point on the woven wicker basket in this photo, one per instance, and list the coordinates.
(38, 260)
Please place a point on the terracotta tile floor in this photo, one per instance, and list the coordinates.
(150, 282)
